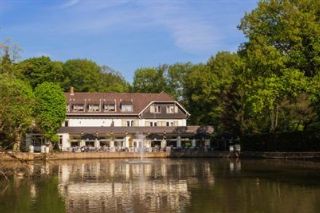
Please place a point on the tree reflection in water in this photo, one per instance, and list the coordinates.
(165, 185)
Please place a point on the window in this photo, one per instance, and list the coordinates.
(153, 123)
(126, 108)
(171, 123)
(93, 108)
(60, 140)
(78, 108)
(172, 109)
(109, 108)
(130, 123)
(66, 123)
(155, 108)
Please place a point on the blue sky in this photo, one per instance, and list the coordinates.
(124, 34)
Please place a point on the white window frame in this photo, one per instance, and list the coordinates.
(155, 108)
(129, 123)
(109, 107)
(127, 108)
(93, 108)
(78, 108)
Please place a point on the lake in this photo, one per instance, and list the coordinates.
(162, 185)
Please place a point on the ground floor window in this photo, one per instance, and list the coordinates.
(90, 143)
(74, 144)
(155, 143)
(104, 143)
(172, 143)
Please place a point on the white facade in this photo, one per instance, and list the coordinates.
(107, 122)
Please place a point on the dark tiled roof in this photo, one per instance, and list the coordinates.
(149, 130)
(138, 100)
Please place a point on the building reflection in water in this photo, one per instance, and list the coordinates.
(235, 165)
(118, 185)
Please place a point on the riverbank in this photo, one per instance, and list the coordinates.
(116, 155)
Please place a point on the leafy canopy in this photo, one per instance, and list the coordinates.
(50, 109)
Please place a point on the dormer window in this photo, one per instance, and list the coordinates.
(93, 108)
(109, 108)
(155, 108)
(78, 108)
(172, 109)
(126, 107)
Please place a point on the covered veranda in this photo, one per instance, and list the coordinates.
(133, 139)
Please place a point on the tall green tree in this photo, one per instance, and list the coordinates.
(6, 65)
(176, 79)
(112, 81)
(16, 108)
(82, 74)
(39, 70)
(200, 87)
(206, 87)
(150, 80)
(282, 56)
(283, 34)
(50, 109)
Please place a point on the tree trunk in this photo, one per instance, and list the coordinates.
(277, 116)
(17, 144)
(272, 120)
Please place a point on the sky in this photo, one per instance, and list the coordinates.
(124, 34)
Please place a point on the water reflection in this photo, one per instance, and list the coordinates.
(235, 165)
(115, 185)
(164, 185)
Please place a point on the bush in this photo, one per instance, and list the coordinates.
(283, 142)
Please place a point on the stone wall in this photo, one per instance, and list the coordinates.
(101, 155)
(104, 155)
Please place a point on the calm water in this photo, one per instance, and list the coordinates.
(163, 185)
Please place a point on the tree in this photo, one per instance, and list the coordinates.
(6, 63)
(283, 34)
(16, 108)
(82, 74)
(50, 109)
(150, 80)
(176, 79)
(200, 89)
(9, 52)
(281, 56)
(206, 88)
(40, 69)
(112, 81)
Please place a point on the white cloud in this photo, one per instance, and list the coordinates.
(190, 30)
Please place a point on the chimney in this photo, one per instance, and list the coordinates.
(71, 91)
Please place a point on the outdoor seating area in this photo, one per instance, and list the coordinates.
(116, 149)
(138, 149)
